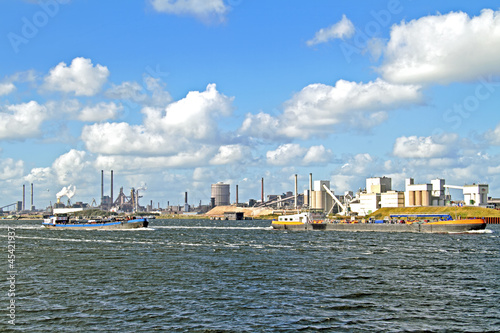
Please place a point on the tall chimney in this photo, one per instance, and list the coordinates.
(102, 187)
(112, 188)
(236, 195)
(310, 189)
(185, 197)
(262, 190)
(24, 193)
(296, 189)
(31, 207)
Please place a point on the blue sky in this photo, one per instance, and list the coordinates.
(176, 95)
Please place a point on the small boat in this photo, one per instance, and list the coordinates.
(62, 221)
(425, 223)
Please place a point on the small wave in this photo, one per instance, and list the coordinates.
(214, 228)
(133, 229)
(88, 240)
(484, 231)
(23, 227)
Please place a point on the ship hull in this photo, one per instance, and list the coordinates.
(454, 226)
(115, 225)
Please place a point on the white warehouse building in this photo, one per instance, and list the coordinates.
(476, 195)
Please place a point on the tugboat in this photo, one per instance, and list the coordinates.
(425, 223)
(62, 221)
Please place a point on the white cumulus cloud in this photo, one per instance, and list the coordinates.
(293, 154)
(352, 175)
(262, 125)
(342, 29)
(192, 117)
(10, 169)
(81, 78)
(151, 93)
(72, 167)
(123, 138)
(100, 112)
(287, 154)
(184, 159)
(230, 154)
(182, 125)
(425, 147)
(493, 136)
(21, 121)
(318, 108)
(317, 155)
(39, 175)
(6, 88)
(202, 9)
(126, 90)
(443, 48)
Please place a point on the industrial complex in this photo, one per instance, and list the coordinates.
(319, 196)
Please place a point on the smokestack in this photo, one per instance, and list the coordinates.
(112, 188)
(31, 207)
(236, 195)
(24, 193)
(310, 189)
(102, 187)
(186, 205)
(296, 191)
(262, 190)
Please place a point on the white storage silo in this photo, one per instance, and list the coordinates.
(220, 192)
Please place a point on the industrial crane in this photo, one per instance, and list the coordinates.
(342, 206)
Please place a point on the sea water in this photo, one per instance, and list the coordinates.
(242, 276)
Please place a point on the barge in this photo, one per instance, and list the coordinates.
(423, 223)
(63, 222)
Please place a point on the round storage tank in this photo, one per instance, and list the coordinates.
(220, 192)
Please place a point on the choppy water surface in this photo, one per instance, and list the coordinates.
(226, 276)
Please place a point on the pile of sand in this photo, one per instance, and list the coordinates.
(247, 212)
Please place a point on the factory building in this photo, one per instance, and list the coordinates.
(378, 185)
(220, 194)
(392, 199)
(476, 195)
(369, 202)
(320, 199)
(423, 195)
(378, 194)
(283, 201)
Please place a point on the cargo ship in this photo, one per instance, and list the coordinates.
(63, 222)
(424, 223)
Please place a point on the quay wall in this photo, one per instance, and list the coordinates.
(492, 220)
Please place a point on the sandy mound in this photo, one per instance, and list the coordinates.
(248, 212)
